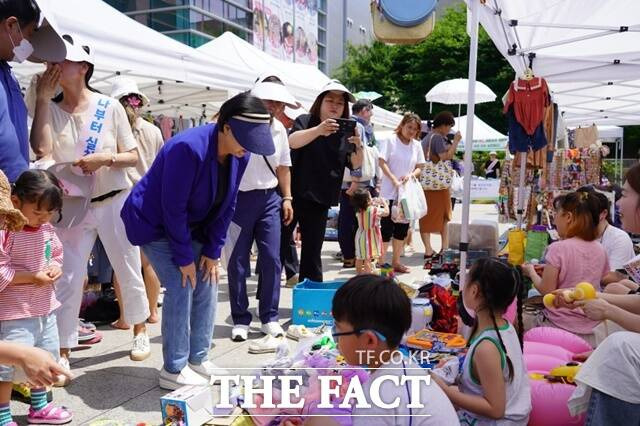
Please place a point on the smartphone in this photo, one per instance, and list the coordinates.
(347, 126)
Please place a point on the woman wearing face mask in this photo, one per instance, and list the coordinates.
(608, 381)
(180, 213)
(91, 131)
(319, 154)
(18, 20)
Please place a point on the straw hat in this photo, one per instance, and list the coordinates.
(11, 219)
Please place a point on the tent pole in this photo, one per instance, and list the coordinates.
(622, 160)
(458, 110)
(523, 173)
(468, 146)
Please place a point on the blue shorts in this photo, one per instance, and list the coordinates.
(39, 332)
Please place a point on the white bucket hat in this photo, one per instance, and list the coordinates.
(274, 91)
(77, 190)
(123, 86)
(335, 85)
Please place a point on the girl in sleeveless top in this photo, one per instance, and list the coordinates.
(494, 387)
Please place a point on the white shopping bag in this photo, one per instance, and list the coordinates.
(411, 198)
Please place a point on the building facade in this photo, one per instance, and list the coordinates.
(195, 22)
(192, 22)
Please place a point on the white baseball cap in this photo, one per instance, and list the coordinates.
(335, 85)
(123, 86)
(76, 50)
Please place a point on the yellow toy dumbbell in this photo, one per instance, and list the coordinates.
(582, 291)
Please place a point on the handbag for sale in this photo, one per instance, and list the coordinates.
(403, 22)
(436, 176)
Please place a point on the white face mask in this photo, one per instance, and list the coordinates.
(22, 51)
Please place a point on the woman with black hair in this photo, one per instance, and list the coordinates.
(319, 154)
(180, 213)
(90, 131)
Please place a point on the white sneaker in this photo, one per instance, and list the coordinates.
(268, 344)
(63, 380)
(239, 333)
(272, 328)
(141, 347)
(185, 377)
(208, 369)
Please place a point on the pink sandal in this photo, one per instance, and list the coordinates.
(50, 415)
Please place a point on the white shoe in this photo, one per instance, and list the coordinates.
(141, 348)
(268, 344)
(272, 328)
(185, 377)
(63, 380)
(239, 333)
(208, 369)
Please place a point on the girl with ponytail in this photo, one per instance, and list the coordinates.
(494, 388)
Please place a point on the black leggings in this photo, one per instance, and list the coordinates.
(388, 228)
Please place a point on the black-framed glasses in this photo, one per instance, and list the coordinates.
(335, 333)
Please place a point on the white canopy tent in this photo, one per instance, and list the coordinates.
(485, 137)
(304, 81)
(175, 77)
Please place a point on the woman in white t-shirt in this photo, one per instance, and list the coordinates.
(401, 159)
(90, 130)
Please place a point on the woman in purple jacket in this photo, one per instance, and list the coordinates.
(179, 213)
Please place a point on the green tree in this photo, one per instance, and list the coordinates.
(405, 73)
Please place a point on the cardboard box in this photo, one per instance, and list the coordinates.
(187, 406)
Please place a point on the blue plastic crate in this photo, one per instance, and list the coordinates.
(312, 302)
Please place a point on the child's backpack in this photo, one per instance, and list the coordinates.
(403, 21)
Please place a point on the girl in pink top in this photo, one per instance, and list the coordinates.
(576, 258)
(30, 264)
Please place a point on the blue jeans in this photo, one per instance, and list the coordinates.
(606, 410)
(188, 315)
(35, 332)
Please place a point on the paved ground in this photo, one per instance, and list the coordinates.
(108, 385)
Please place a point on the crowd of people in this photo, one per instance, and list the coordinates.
(168, 212)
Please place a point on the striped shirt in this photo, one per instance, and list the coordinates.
(30, 250)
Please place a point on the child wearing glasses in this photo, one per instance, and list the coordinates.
(371, 315)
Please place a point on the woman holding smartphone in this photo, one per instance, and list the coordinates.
(319, 154)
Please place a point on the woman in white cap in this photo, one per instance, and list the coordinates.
(180, 214)
(492, 166)
(149, 139)
(92, 131)
(259, 213)
(319, 153)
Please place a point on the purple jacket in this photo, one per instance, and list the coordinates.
(178, 192)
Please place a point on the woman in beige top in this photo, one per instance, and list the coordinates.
(91, 131)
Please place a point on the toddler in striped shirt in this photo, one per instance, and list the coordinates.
(30, 264)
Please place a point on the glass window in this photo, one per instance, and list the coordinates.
(322, 52)
(322, 37)
(322, 20)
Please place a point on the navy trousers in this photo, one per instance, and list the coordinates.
(258, 216)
